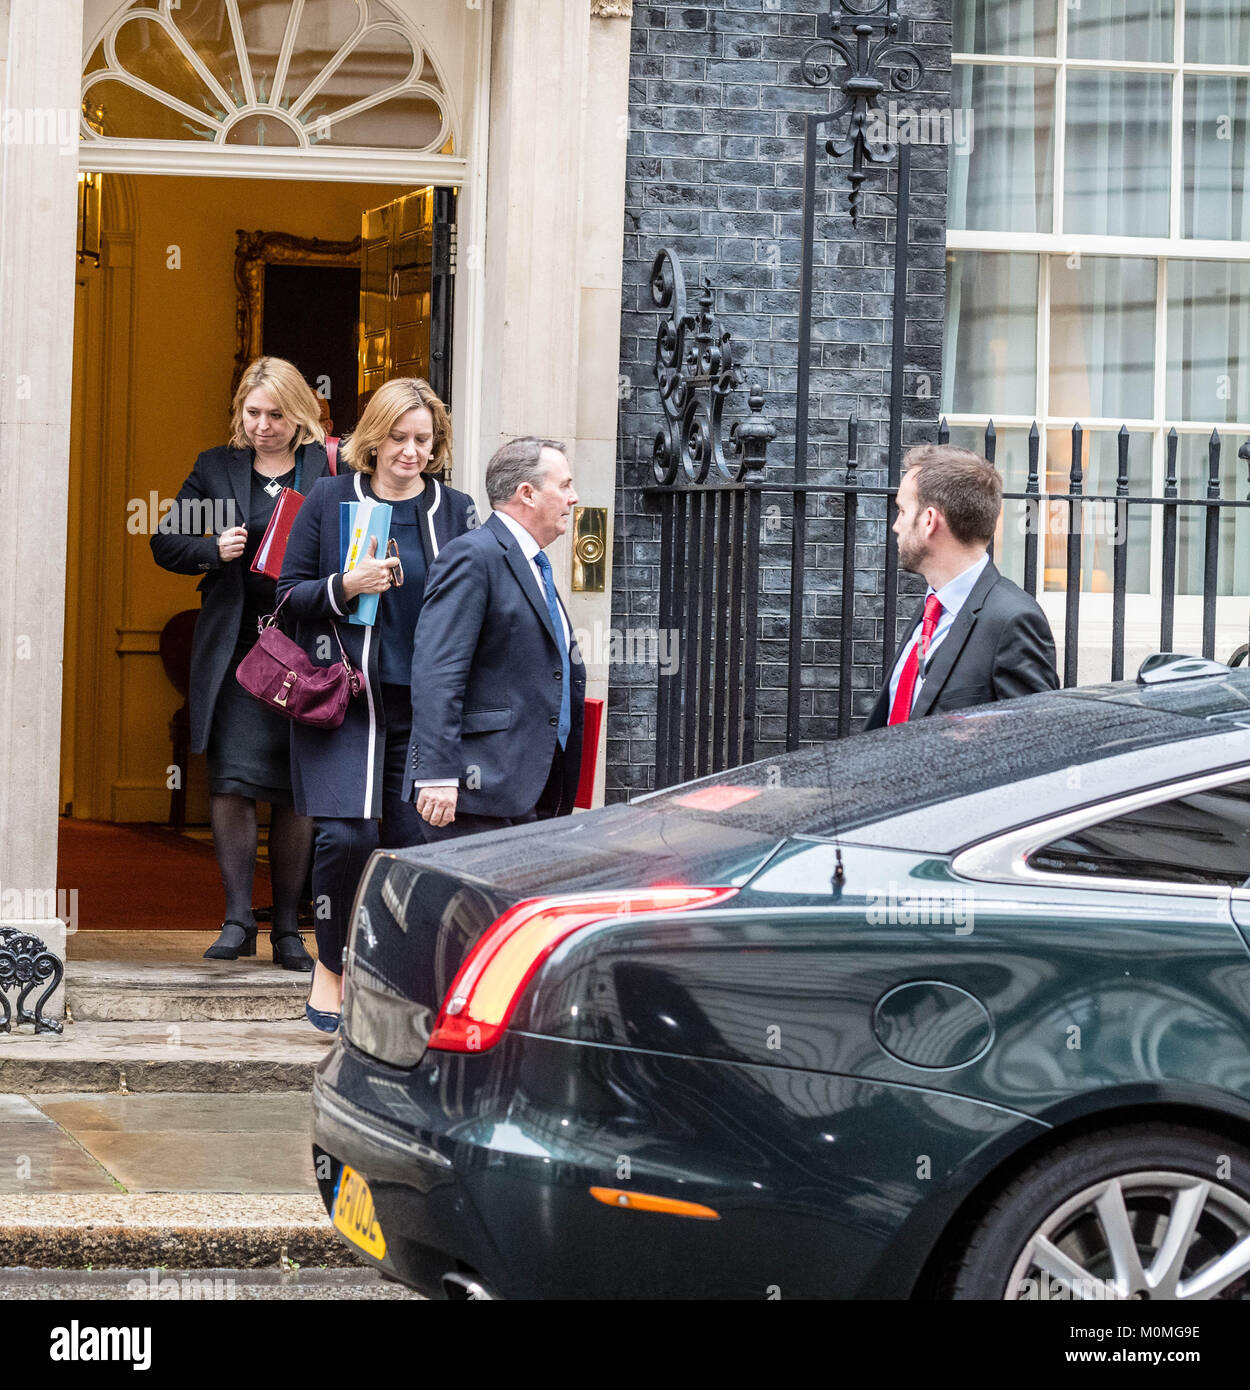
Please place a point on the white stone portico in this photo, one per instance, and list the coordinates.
(540, 95)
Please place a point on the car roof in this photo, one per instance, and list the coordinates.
(940, 783)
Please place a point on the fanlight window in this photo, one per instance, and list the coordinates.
(278, 73)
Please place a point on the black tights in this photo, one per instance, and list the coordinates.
(290, 848)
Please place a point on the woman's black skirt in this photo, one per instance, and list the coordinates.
(249, 748)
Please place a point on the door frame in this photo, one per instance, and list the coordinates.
(91, 781)
(467, 173)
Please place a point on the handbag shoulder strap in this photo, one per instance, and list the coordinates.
(334, 627)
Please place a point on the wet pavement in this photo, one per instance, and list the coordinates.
(156, 1142)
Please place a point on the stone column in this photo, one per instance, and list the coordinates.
(40, 64)
(554, 224)
(605, 131)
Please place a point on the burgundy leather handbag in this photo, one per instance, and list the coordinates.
(279, 673)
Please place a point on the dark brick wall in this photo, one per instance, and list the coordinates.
(715, 171)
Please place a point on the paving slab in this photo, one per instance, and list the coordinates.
(163, 1056)
(178, 1112)
(137, 1231)
(37, 1155)
(186, 1142)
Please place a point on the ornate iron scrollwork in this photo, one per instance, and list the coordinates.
(691, 357)
(848, 31)
(25, 963)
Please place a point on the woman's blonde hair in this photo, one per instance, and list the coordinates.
(291, 393)
(388, 404)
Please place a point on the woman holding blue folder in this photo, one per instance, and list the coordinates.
(356, 562)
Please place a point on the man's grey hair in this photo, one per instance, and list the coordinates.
(519, 461)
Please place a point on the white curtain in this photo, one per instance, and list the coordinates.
(1217, 31)
(1217, 148)
(1005, 181)
(1136, 30)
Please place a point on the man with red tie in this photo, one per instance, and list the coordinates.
(979, 637)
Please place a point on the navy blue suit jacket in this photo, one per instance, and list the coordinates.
(487, 680)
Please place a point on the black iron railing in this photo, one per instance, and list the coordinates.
(721, 543)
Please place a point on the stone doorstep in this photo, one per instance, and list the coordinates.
(178, 1230)
(163, 1056)
(183, 992)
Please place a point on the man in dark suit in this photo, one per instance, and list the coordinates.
(498, 684)
(978, 637)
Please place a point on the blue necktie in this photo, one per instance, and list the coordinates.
(549, 588)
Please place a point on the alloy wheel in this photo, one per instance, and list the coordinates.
(1139, 1236)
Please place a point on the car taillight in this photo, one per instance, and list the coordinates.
(489, 983)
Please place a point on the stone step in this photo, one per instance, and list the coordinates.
(157, 1055)
(190, 991)
(285, 1282)
(152, 1230)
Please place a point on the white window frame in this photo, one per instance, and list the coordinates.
(1142, 610)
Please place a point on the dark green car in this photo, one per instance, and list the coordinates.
(958, 1008)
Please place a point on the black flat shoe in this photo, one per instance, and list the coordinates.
(319, 1018)
(289, 952)
(236, 939)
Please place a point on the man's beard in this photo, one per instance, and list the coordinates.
(912, 554)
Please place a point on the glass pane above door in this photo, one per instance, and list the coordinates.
(346, 73)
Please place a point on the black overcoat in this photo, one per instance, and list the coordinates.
(220, 486)
(338, 772)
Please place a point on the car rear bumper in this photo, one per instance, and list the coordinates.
(481, 1166)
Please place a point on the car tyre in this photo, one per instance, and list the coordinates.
(1144, 1212)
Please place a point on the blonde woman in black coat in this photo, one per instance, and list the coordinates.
(276, 441)
(350, 779)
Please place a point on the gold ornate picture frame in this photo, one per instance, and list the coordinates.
(253, 252)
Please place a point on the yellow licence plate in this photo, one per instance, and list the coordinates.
(354, 1215)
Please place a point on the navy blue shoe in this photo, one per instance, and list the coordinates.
(327, 1022)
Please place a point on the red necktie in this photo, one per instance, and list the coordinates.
(900, 710)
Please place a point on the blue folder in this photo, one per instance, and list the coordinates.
(352, 547)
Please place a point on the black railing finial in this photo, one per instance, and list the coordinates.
(1213, 465)
(750, 438)
(1121, 475)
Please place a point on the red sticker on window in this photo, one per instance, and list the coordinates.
(716, 798)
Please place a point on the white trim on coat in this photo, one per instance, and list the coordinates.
(429, 516)
(367, 813)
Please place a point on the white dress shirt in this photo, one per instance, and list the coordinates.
(530, 548)
(952, 596)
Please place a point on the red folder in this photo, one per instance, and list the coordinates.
(273, 543)
(591, 725)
